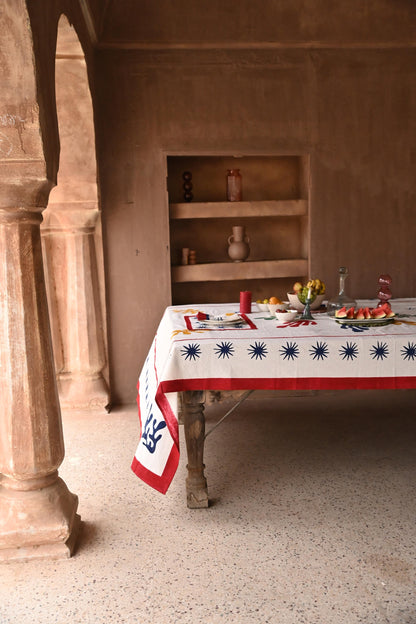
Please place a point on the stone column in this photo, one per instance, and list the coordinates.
(68, 234)
(37, 512)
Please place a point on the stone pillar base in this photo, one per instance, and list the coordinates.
(38, 523)
(82, 392)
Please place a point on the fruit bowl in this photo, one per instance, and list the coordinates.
(263, 307)
(286, 315)
(297, 305)
(273, 307)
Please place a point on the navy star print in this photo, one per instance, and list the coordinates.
(258, 350)
(191, 351)
(319, 351)
(224, 349)
(349, 351)
(409, 352)
(379, 351)
(290, 351)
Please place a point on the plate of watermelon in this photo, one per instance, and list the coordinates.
(381, 315)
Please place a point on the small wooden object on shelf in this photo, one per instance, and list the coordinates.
(185, 256)
(192, 256)
(187, 186)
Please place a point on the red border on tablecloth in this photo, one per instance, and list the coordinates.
(243, 316)
(162, 483)
(289, 383)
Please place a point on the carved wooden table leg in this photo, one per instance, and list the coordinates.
(194, 425)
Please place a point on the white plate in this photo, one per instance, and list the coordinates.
(230, 319)
(212, 323)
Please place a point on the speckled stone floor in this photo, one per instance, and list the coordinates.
(313, 520)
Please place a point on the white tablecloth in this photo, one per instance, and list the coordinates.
(262, 354)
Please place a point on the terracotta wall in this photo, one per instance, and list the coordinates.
(343, 91)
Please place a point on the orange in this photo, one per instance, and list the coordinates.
(274, 300)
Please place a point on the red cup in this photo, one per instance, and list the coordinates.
(245, 302)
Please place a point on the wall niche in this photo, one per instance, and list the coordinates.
(274, 210)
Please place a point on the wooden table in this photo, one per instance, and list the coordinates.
(190, 356)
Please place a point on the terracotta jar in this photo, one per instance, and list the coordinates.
(234, 185)
(238, 244)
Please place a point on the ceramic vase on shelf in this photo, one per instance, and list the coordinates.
(238, 244)
(234, 185)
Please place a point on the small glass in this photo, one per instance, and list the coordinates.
(342, 299)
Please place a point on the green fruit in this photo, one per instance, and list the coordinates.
(303, 294)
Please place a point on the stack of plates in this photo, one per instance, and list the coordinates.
(221, 320)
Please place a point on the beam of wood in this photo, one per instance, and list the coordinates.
(222, 271)
(218, 210)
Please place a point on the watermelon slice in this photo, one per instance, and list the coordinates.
(385, 306)
(378, 313)
(350, 313)
(387, 309)
(360, 315)
(341, 313)
(367, 313)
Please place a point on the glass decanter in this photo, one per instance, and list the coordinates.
(342, 299)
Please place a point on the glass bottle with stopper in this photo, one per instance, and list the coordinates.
(342, 299)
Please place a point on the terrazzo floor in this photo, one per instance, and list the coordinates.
(312, 521)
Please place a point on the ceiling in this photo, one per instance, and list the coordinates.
(187, 23)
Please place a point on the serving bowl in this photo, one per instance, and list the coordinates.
(286, 315)
(263, 307)
(297, 305)
(273, 307)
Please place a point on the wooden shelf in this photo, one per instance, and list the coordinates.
(223, 271)
(218, 210)
(275, 213)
